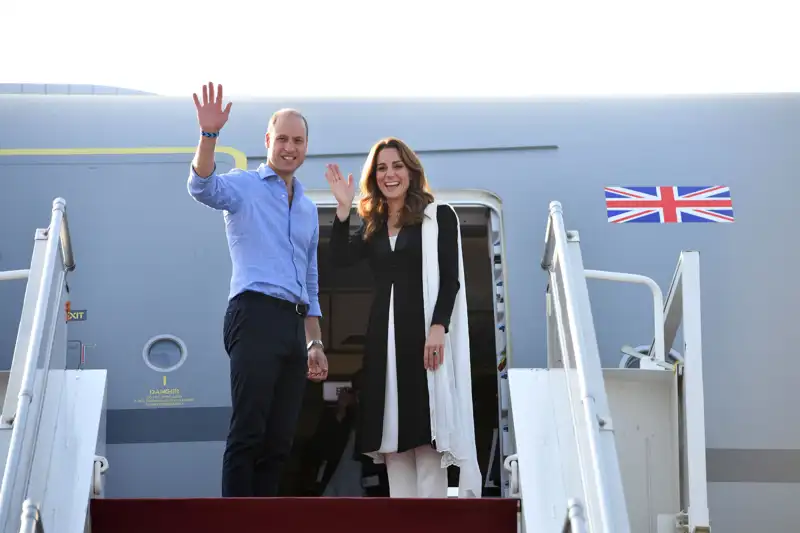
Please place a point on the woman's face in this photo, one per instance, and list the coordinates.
(392, 174)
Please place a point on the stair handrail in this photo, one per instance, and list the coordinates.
(31, 521)
(572, 275)
(11, 275)
(58, 227)
(657, 353)
(575, 521)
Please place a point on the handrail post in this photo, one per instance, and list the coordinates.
(59, 204)
(31, 520)
(575, 521)
(694, 395)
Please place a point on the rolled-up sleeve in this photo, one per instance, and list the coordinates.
(218, 191)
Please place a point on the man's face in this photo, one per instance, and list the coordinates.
(287, 144)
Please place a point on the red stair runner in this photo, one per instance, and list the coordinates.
(301, 515)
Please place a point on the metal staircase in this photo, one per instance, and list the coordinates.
(610, 450)
(50, 427)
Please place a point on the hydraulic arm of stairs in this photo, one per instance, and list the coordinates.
(611, 450)
(52, 418)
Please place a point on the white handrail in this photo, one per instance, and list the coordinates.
(64, 237)
(10, 275)
(591, 418)
(658, 302)
(55, 237)
(31, 521)
(575, 521)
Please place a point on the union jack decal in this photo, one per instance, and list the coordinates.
(669, 205)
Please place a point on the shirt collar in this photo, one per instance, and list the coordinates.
(266, 172)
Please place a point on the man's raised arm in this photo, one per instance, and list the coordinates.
(205, 185)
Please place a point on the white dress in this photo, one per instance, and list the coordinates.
(390, 420)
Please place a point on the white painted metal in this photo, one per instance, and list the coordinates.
(667, 524)
(41, 427)
(576, 520)
(685, 292)
(644, 404)
(647, 361)
(31, 521)
(10, 275)
(599, 462)
(660, 473)
(4, 377)
(75, 471)
(57, 418)
(547, 454)
(25, 424)
(511, 465)
(24, 329)
(658, 303)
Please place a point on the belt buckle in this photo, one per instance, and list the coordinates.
(297, 309)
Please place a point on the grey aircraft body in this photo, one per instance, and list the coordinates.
(149, 293)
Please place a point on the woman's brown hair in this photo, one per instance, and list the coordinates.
(372, 206)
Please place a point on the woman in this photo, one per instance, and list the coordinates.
(413, 364)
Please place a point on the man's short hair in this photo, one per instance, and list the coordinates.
(286, 111)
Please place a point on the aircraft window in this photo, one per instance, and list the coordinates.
(164, 353)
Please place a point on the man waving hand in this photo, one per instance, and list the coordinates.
(271, 327)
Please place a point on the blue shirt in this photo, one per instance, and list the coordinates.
(273, 246)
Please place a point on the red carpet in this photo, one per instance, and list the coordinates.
(301, 515)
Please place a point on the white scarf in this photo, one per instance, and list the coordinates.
(450, 386)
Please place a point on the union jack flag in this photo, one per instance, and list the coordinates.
(665, 205)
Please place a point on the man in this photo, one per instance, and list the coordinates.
(271, 328)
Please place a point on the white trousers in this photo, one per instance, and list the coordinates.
(416, 473)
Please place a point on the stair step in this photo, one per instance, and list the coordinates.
(298, 515)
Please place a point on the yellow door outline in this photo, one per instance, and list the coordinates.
(239, 157)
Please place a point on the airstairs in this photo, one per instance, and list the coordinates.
(52, 421)
(611, 450)
(598, 450)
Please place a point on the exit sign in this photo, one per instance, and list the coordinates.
(76, 316)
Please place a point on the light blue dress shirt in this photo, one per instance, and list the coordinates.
(273, 246)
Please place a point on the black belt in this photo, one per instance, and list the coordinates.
(299, 309)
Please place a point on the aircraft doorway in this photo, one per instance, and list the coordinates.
(345, 297)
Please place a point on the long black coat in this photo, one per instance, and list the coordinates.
(403, 269)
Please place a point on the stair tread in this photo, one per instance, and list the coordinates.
(350, 515)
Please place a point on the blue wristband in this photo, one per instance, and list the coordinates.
(208, 134)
